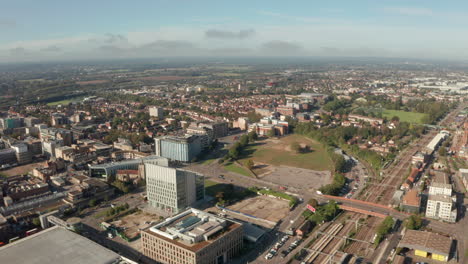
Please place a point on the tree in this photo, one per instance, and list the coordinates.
(395, 119)
(244, 140)
(249, 164)
(252, 136)
(296, 147)
(271, 133)
(312, 202)
(234, 152)
(442, 151)
(220, 197)
(92, 202)
(36, 221)
(384, 228)
(414, 222)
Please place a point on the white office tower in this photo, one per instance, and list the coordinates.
(172, 190)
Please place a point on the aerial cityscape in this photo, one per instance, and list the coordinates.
(204, 132)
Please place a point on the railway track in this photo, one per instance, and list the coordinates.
(382, 192)
(365, 234)
(322, 242)
(336, 240)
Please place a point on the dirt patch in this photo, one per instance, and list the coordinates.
(133, 223)
(303, 179)
(19, 170)
(263, 207)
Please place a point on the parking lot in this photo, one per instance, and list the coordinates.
(282, 248)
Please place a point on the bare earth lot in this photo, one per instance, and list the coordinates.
(134, 222)
(297, 177)
(264, 207)
(21, 169)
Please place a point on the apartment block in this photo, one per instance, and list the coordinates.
(441, 207)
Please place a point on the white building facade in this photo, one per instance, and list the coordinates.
(172, 190)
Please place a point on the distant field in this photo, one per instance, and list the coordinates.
(227, 74)
(165, 78)
(65, 102)
(409, 117)
(278, 152)
(92, 82)
(32, 80)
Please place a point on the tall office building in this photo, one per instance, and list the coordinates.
(193, 237)
(31, 121)
(156, 112)
(23, 155)
(178, 148)
(220, 129)
(11, 122)
(172, 190)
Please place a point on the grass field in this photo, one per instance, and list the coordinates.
(409, 117)
(65, 102)
(232, 167)
(227, 74)
(278, 152)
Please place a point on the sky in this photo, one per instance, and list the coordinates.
(54, 30)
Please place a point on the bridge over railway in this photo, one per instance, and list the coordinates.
(363, 207)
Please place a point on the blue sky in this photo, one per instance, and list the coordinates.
(66, 30)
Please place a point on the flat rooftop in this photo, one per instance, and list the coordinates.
(427, 241)
(193, 229)
(411, 198)
(57, 245)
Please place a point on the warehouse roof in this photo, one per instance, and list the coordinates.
(427, 241)
(56, 245)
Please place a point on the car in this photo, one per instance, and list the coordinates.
(268, 256)
(284, 253)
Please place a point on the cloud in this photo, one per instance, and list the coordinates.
(168, 45)
(18, 51)
(409, 11)
(115, 38)
(51, 48)
(225, 34)
(280, 47)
